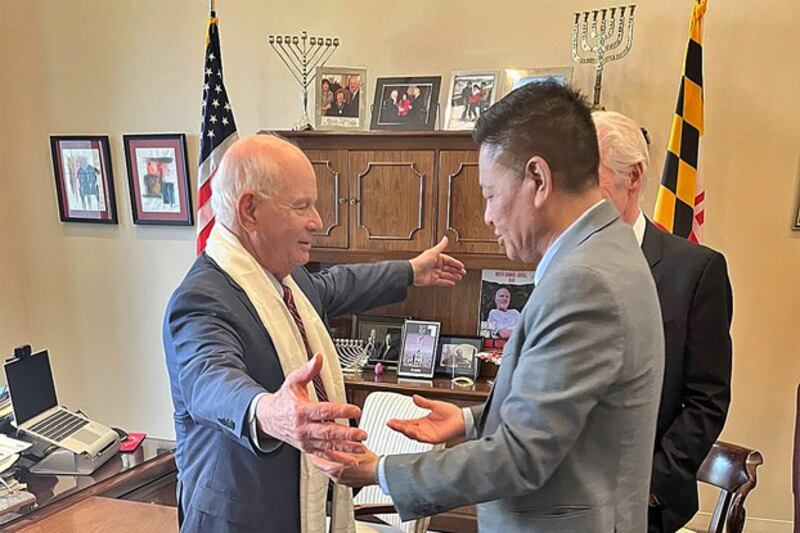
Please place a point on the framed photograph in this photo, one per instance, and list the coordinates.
(418, 353)
(84, 183)
(456, 356)
(517, 77)
(408, 103)
(503, 296)
(341, 101)
(471, 94)
(388, 331)
(158, 179)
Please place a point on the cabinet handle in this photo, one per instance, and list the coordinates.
(354, 201)
(342, 200)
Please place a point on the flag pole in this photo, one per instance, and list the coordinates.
(212, 5)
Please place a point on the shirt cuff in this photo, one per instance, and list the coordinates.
(382, 483)
(266, 444)
(469, 424)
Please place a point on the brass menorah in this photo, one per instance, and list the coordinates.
(596, 29)
(302, 55)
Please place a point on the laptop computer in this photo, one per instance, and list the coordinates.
(37, 413)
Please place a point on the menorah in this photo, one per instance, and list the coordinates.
(354, 354)
(302, 55)
(596, 29)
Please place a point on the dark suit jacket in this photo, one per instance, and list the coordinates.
(219, 356)
(696, 306)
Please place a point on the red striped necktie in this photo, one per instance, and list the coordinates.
(319, 387)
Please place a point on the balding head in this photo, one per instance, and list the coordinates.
(265, 192)
(258, 163)
(624, 159)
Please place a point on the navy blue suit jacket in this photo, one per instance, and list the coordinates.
(219, 357)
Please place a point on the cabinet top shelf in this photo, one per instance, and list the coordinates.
(358, 133)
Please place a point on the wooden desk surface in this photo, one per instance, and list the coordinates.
(100, 515)
(437, 388)
(131, 476)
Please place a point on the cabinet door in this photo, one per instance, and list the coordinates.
(330, 167)
(392, 195)
(461, 205)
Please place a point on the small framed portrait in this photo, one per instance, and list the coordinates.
(457, 356)
(471, 94)
(340, 100)
(84, 183)
(408, 103)
(517, 77)
(418, 352)
(158, 179)
(388, 333)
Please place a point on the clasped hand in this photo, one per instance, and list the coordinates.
(444, 422)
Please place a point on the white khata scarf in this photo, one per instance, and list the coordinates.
(226, 250)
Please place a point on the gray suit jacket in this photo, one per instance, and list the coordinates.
(565, 441)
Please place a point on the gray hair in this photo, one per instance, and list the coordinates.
(238, 172)
(622, 144)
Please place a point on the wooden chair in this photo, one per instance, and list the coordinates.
(732, 469)
(379, 407)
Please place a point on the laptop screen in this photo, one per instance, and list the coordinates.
(30, 384)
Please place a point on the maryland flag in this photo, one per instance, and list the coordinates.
(680, 203)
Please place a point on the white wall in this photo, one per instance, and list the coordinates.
(95, 294)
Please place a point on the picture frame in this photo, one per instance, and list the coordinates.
(84, 180)
(388, 333)
(158, 178)
(462, 111)
(408, 103)
(450, 359)
(517, 77)
(352, 114)
(796, 223)
(419, 348)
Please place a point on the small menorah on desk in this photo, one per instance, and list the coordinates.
(354, 354)
(596, 28)
(302, 55)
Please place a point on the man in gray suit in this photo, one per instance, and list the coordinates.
(565, 441)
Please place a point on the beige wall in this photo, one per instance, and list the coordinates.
(95, 295)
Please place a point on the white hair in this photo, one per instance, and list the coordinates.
(622, 144)
(238, 172)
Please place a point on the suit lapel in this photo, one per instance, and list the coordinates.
(652, 244)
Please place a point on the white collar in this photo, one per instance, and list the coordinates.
(639, 227)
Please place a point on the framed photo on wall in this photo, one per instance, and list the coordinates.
(456, 356)
(517, 77)
(341, 101)
(158, 179)
(408, 103)
(471, 94)
(418, 352)
(84, 183)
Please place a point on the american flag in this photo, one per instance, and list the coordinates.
(217, 131)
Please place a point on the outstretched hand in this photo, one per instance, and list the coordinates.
(290, 416)
(361, 474)
(433, 267)
(444, 422)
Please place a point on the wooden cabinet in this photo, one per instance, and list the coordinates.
(393, 194)
(461, 205)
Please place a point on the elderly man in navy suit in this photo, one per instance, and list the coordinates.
(256, 385)
(697, 306)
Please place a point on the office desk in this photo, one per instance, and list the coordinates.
(100, 515)
(146, 475)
